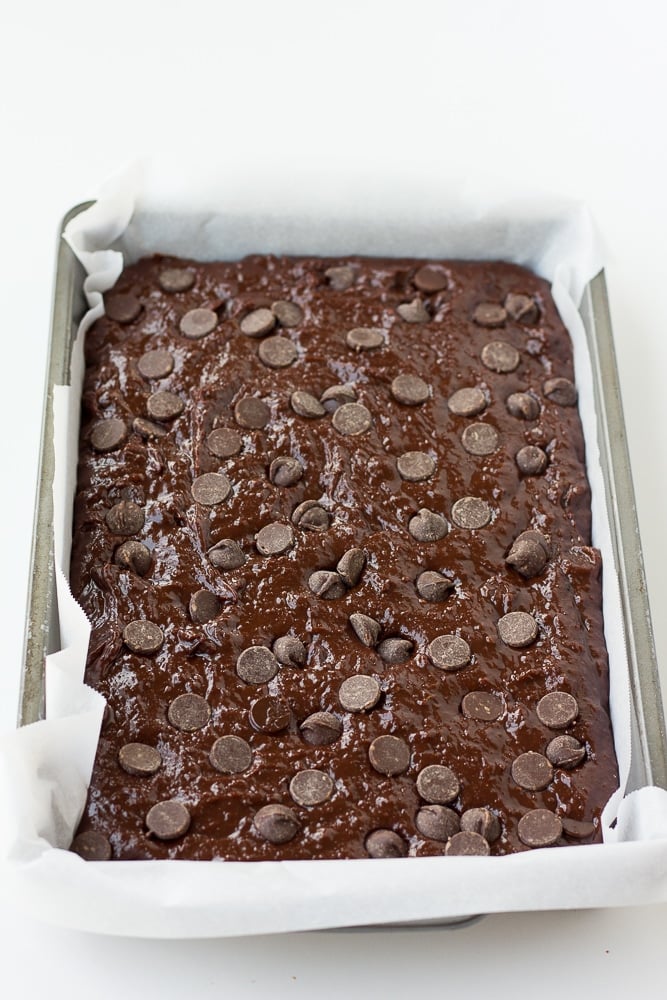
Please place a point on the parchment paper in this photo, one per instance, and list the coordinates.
(44, 768)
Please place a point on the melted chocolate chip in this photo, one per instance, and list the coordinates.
(155, 364)
(433, 586)
(143, 637)
(139, 759)
(413, 312)
(270, 715)
(311, 788)
(482, 821)
(176, 279)
(522, 308)
(211, 488)
(532, 771)
(528, 555)
(565, 751)
(133, 556)
(501, 357)
(107, 435)
(350, 566)
(224, 442)
(92, 846)
(364, 338)
(427, 526)
(415, 466)
(198, 323)
(366, 629)
(231, 755)
(557, 710)
(523, 406)
(539, 828)
(385, 844)
(410, 390)
(471, 512)
(204, 606)
(449, 652)
(326, 584)
(438, 784)
(285, 471)
(531, 460)
(148, 429)
(480, 439)
(321, 728)
(352, 418)
(168, 820)
(561, 391)
(274, 539)
(125, 518)
(226, 554)
(437, 822)
(518, 629)
(256, 665)
(310, 516)
(394, 650)
(276, 823)
(389, 755)
(277, 352)
(359, 693)
(258, 323)
(483, 706)
(467, 402)
(252, 413)
(189, 712)
(290, 651)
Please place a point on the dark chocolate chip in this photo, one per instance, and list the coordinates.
(287, 313)
(211, 488)
(523, 406)
(350, 566)
(92, 846)
(274, 539)
(276, 823)
(410, 390)
(230, 755)
(481, 820)
(501, 357)
(385, 844)
(433, 586)
(337, 395)
(285, 471)
(366, 629)
(489, 314)
(290, 651)
(148, 429)
(565, 751)
(467, 402)
(107, 435)
(518, 629)
(578, 829)
(198, 323)
(389, 755)
(176, 279)
(311, 788)
(430, 279)
(224, 442)
(437, 822)
(557, 709)
(277, 352)
(204, 606)
(310, 516)
(480, 439)
(226, 554)
(539, 828)
(415, 466)
(532, 771)
(413, 312)
(164, 405)
(352, 418)
(139, 759)
(483, 706)
(560, 391)
(359, 693)
(427, 526)
(252, 413)
(270, 715)
(395, 650)
(256, 665)
(306, 405)
(155, 364)
(340, 278)
(133, 556)
(467, 844)
(122, 307)
(364, 338)
(327, 584)
(125, 518)
(258, 323)
(531, 460)
(522, 308)
(168, 820)
(189, 712)
(321, 728)
(471, 512)
(528, 556)
(449, 652)
(437, 783)
(142, 636)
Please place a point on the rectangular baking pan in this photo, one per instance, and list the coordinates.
(649, 755)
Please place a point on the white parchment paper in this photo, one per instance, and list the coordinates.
(44, 768)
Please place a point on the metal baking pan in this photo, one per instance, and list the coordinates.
(649, 756)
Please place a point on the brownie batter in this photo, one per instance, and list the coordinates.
(332, 531)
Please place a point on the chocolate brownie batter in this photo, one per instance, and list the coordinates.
(332, 531)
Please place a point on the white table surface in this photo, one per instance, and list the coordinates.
(569, 95)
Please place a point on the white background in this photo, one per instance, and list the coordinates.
(569, 95)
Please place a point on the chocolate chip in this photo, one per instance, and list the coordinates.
(92, 846)
(523, 405)
(256, 665)
(518, 629)
(224, 442)
(483, 706)
(198, 323)
(270, 715)
(385, 844)
(433, 586)
(230, 755)
(481, 820)
(565, 751)
(395, 650)
(430, 279)
(364, 338)
(528, 555)
(359, 693)
(310, 516)
(285, 471)
(577, 829)
(389, 755)
(352, 418)
(277, 352)
(252, 413)
(560, 391)
(539, 828)
(107, 435)
(164, 405)
(449, 652)
(133, 556)
(350, 566)
(176, 279)
(321, 728)
(276, 823)
(437, 822)
(226, 554)
(148, 429)
(410, 390)
(311, 788)
(366, 629)
(125, 518)
(211, 488)
(274, 539)
(415, 466)
(122, 307)
(142, 636)
(467, 402)
(532, 771)
(168, 820)
(287, 313)
(204, 606)
(189, 712)
(139, 759)
(522, 308)
(557, 709)
(467, 844)
(413, 312)
(531, 460)
(427, 526)
(340, 278)
(337, 395)
(290, 651)
(438, 784)
(480, 439)
(306, 405)
(489, 314)
(155, 364)
(258, 323)
(471, 512)
(326, 584)
(501, 357)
